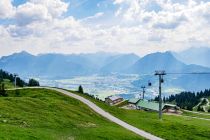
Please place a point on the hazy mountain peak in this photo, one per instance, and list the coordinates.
(195, 55)
(23, 53)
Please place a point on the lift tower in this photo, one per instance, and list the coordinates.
(143, 88)
(160, 74)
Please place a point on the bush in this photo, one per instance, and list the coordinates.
(33, 83)
(209, 110)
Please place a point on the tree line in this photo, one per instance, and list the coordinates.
(11, 78)
(186, 100)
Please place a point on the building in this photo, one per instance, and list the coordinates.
(133, 101)
(112, 100)
(154, 106)
(148, 105)
(170, 108)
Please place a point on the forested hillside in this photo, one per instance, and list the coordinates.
(188, 100)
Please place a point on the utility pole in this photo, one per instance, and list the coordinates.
(15, 79)
(143, 88)
(160, 74)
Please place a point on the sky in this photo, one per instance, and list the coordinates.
(86, 26)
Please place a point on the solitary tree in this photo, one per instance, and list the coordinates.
(80, 89)
(33, 83)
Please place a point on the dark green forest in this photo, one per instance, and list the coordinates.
(186, 100)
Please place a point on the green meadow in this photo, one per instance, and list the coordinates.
(44, 114)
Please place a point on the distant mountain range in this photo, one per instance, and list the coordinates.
(163, 61)
(63, 66)
(199, 56)
(60, 66)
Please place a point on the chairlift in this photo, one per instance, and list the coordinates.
(149, 84)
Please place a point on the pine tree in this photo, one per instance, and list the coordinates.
(80, 89)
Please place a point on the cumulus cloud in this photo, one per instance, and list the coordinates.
(6, 9)
(55, 7)
(28, 13)
(40, 10)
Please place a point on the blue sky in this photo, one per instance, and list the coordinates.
(85, 8)
(84, 26)
(18, 2)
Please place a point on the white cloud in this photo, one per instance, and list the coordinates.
(55, 7)
(6, 9)
(39, 10)
(29, 12)
(135, 26)
(96, 16)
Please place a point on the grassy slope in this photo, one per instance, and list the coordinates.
(8, 84)
(172, 127)
(203, 115)
(43, 114)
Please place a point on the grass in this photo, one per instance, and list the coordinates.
(44, 114)
(203, 115)
(171, 127)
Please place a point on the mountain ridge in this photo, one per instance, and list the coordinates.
(63, 65)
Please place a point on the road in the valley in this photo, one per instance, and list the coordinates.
(107, 115)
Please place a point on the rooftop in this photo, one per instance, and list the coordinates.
(114, 97)
(149, 105)
(171, 105)
(153, 105)
(133, 100)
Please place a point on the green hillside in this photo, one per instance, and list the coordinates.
(44, 114)
(171, 127)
